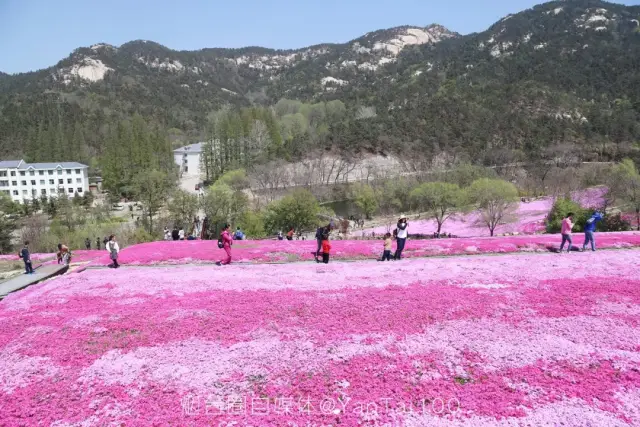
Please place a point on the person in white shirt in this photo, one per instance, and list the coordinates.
(167, 234)
(401, 233)
(181, 234)
(114, 251)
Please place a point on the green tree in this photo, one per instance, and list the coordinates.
(561, 207)
(298, 210)
(495, 199)
(626, 187)
(152, 189)
(183, 208)
(440, 199)
(236, 179)
(7, 223)
(365, 199)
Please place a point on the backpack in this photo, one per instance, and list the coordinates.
(220, 243)
(319, 233)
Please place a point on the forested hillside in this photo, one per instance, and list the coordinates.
(560, 77)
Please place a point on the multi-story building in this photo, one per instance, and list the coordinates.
(188, 158)
(25, 181)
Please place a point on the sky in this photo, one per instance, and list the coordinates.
(36, 34)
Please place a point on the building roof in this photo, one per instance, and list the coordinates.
(20, 164)
(193, 148)
(5, 164)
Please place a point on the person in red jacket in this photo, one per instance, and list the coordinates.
(227, 241)
(326, 248)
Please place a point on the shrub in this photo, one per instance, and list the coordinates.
(614, 223)
(560, 209)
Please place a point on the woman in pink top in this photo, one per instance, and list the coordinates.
(227, 241)
(565, 230)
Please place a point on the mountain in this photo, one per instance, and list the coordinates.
(564, 72)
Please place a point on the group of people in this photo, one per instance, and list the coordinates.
(589, 230)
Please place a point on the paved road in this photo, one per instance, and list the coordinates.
(25, 280)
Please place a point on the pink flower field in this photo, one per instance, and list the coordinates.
(260, 251)
(528, 218)
(513, 340)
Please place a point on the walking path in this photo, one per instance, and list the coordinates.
(24, 280)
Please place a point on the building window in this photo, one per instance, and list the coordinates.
(22, 173)
(25, 192)
(13, 173)
(33, 182)
(40, 172)
(4, 183)
(14, 183)
(71, 191)
(50, 172)
(23, 182)
(60, 190)
(43, 192)
(68, 171)
(59, 171)
(32, 173)
(78, 171)
(79, 180)
(34, 193)
(3, 173)
(69, 180)
(15, 192)
(61, 181)
(8, 192)
(52, 181)
(79, 189)
(42, 182)
(52, 190)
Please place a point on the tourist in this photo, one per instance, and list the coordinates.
(175, 234)
(326, 248)
(63, 255)
(114, 251)
(166, 233)
(98, 243)
(589, 229)
(280, 237)
(565, 230)
(105, 241)
(87, 243)
(181, 234)
(238, 235)
(320, 232)
(26, 258)
(401, 236)
(226, 241)
(386, 253)
(290, 234)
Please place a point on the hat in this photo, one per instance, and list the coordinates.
(402, 216)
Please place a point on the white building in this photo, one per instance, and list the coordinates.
(25, 181)
(188, 158)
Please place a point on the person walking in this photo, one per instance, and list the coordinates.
(114, 251)
(386, 253)
(181, 233)
(226, 241)
(98, 243)
(87, 244)
(401, 236)
(565, 230)
(26, 258)
(326, 248)
(290, 234)
(175, 234)
(320, 232)
(589, 229)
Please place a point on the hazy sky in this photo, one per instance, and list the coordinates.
(36, 34)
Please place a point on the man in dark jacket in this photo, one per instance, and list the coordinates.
(590, 229)
(26, 257)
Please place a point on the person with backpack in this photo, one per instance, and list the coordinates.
(589, 229)
(114, 251)
(26, 258)
(565, 230)
(224, 242)
(238, 235)
(401, 233)
(87, 244)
